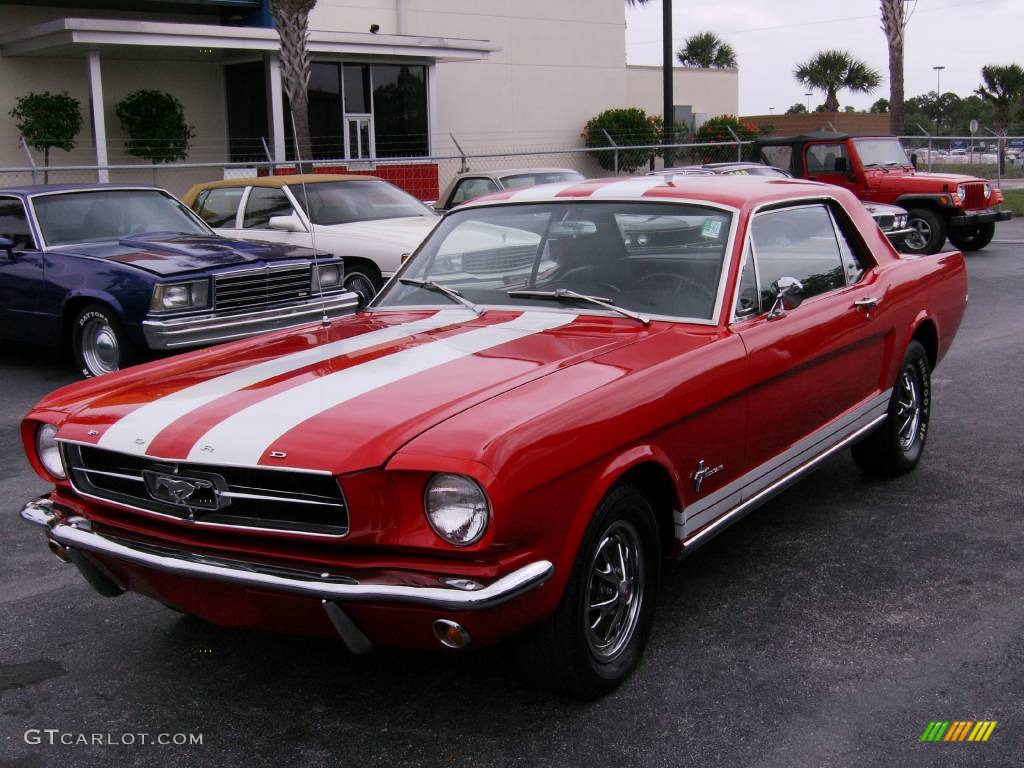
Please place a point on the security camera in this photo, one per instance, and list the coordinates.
(374, 29)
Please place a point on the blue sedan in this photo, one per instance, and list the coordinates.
(109, 271)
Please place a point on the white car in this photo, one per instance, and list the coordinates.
(368, 222)
(472, 184)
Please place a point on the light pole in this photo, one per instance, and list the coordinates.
(771, 110)
(808, 95)
(938, 80)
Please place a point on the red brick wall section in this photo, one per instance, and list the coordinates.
(854, 123)
(418, 179)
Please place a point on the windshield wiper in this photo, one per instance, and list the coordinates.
(451, 293)
(564, 294)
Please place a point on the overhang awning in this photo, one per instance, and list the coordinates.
(150, 40)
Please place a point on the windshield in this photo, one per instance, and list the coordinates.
(342, 202)
(655, 258)
(523, 180)
(111, 214)
(881, 152)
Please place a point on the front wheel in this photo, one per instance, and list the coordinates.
(364, 280)
(895, 447)
(596, 636)
(972, 238)
(98, 342)
(929, 231)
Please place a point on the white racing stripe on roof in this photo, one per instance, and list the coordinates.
(245, 437)
(135, 431)
(544, 191)
(628, 188)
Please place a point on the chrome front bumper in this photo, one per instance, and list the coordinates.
(70, 536)
(215, 328)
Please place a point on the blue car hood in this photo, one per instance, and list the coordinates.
(172, 254)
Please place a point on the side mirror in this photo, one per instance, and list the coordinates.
(913, 160)
(289, 223)
(7, 246)
(789, 294)
(842, 165)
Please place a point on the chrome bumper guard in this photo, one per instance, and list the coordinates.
(73, 534)
(215, 328)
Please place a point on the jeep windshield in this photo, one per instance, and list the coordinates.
(881, 152)
(658, 259)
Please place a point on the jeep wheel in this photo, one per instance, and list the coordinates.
(929, 231)
(972, 238)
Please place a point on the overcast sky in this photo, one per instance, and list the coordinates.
(772, 36)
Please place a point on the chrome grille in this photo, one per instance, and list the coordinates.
(255, 288)
(268, 499)
(975, 197)
(499, 259)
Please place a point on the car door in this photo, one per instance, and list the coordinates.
(815, 369)
(21, 276)
(260, 206)
(829, 163)
(219, 207)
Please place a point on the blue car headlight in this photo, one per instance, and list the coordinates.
(194, 294)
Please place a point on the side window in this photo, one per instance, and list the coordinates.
(468, 189)
(780, 157)
(799, 243)
(263, 203)
(217, 207)
(14, 223)
(849, 248)
(821, 158)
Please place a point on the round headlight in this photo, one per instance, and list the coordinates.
(962, 191)
(988, 191)
(457, 508)
(47, 450)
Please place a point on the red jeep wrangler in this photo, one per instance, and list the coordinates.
(876, 169)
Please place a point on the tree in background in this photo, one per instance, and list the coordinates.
(707, 51)
(725, 128)
(880, 107)
(46, 120)
(797, 109)
(154, 126)
(629, 126)
(894, 23)
(1003, 88)
(291, 17)
(833, 71)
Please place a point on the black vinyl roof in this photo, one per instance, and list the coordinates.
(816, 136)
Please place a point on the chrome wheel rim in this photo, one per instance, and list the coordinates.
(908, 410)
(921, 235)
(361, 285)
(100, 350)
(615, 591)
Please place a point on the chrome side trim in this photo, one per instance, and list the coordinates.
(727, 498)
(62, 527)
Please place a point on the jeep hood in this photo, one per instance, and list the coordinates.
(923, 183)
(336, 399)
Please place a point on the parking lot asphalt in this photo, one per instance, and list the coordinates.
(826, 629)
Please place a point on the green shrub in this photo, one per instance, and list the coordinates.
(47, 120)
(154, 126)
(627, 127)
(717, 129)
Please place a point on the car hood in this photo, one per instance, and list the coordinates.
(918, 182)
(167, 254)
(404, 233)
(336, 399)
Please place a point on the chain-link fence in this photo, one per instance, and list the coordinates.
(969, 155)
(425, 177)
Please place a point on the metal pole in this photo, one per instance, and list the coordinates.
(31, 160)
(921, 128)
(739, 144)
(616, 150)
(666, 63)
(465, 165)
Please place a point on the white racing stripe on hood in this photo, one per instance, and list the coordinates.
(134, 432)
(544, 191)
(244, 437)
(628, 188)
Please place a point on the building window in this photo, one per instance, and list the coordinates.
(400, 110)
(248, 123)
(325, 130)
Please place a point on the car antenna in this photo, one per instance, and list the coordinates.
(325, 321)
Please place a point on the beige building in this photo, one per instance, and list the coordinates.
(495, 75)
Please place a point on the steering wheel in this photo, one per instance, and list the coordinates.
(583, 279)
(680, 281)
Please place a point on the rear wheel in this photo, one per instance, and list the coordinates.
(895, 447)
(929, 231)
(972, 238)
(364, 279)
(596, 636)
(98, 342)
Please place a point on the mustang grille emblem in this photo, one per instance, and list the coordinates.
(192, 492)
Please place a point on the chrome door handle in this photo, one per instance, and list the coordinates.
(867, 303)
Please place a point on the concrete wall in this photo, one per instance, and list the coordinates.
(712, 91)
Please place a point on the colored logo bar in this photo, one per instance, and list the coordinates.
(959, 730)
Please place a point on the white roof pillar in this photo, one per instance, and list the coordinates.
(276, 106)
(99, 125)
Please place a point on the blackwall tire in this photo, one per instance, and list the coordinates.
(972, 238)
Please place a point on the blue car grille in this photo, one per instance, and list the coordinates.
(257, 288)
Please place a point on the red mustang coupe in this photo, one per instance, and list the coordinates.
(563, 386)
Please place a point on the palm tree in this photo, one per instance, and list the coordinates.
(834, 71)
(708, 51)
(1003, 88)
(292, 20)
(894, 24)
